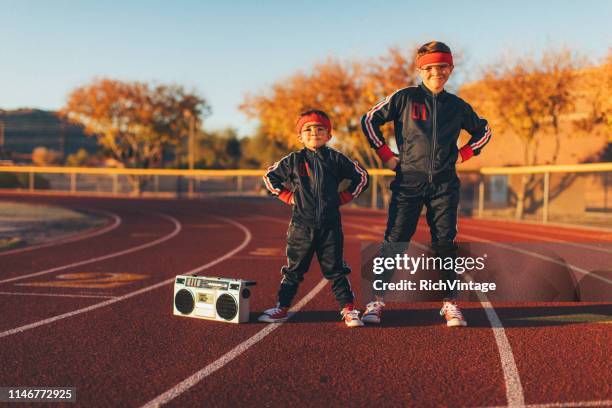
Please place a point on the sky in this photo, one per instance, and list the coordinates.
(224, 50)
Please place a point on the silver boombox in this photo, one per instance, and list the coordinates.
(221, 299)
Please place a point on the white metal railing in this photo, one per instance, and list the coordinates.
(239, 176)
(546, 171)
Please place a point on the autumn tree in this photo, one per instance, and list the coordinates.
(596, 98)
(80, 158)
(41, 156)
(345, 90)
(134, 121)
(259, 151)
(220, 149)
(606, 98)
(527, 98)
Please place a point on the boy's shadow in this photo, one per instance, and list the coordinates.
(476, 316)
(554, 315)
(391, 318)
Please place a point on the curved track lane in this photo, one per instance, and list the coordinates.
(113, 222)
(122, 346)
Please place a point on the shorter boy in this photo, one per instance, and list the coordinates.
(308, 180)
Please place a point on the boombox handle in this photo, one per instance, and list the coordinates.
(245, 282)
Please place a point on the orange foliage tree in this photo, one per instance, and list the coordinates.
(527, 98)
(596, 82)
(134, 121)
(345, 90)
(606, 98)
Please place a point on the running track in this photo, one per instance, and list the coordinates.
(95, 312)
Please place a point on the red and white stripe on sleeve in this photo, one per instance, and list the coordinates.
(367, 121)
(268, 182)
(363, 181)
(482, 141)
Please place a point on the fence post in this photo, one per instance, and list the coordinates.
(73, 182)
(190, 186)
(481, 193)
(239, 184)
(156, 183)
(606, 191)
(374, 203)
(115, 183)
(546, 194)
(31, 181)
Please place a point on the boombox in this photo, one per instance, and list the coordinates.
(221, 299)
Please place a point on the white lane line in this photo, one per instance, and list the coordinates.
(554, 228)
(599, 403)
(514, 389)
(177, 229)
(540, 256)
(530, 253)
(194, 379)
(137, 292)
(512, 380)
(55, 294)
(540, 237)
(116, 222)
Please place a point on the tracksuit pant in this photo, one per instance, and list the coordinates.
(302, 243)
(441, 200)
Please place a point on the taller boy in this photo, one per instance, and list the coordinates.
(427, 122)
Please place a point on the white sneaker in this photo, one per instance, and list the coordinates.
(350, 316)
(373, 312)
(275, 315)
(452, 314)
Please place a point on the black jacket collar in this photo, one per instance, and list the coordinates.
(320, 152)
(441, 96)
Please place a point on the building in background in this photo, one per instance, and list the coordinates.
(23, 130)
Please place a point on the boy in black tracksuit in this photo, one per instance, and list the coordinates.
(427, 123)
(308, 181)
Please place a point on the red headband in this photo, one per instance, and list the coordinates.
(433, 58)
(313, 117)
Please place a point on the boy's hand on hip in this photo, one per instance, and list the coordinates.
(345, 197)
(392, 163)
(287, 197)
(465, 153)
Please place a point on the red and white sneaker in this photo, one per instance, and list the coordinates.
(452, 314)
(275, 315)
(373, 312)
(350, 315)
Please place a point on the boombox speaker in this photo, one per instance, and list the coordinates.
(221, 299)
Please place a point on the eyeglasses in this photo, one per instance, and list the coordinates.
(316, 129)
(441, 68)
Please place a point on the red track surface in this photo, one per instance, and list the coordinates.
(130, 350)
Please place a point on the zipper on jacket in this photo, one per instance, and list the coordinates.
(317, 190)
(433, 142)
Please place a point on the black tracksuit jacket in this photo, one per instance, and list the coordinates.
(313, 177)
(427, 128)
